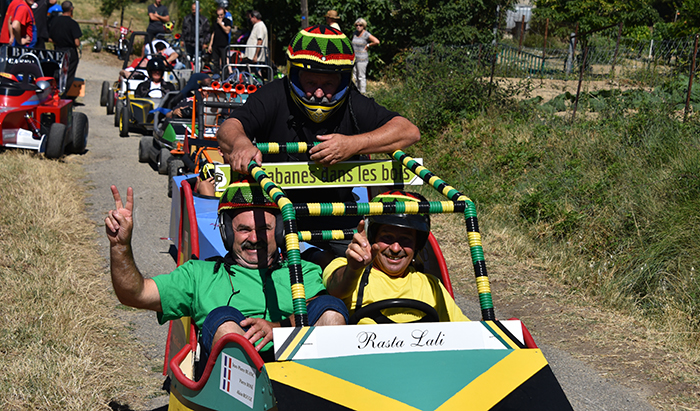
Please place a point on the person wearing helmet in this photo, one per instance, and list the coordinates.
(377, 266)
(154, 87)
(247, 291)
(316, 102)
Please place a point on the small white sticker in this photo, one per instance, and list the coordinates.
(237, 379)
(22, 133)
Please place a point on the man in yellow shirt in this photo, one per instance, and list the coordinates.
(377, 270)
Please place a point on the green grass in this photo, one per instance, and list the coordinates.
(612, 201)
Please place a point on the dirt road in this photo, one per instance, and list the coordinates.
(113, 160)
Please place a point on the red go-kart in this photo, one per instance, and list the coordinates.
(32, 115)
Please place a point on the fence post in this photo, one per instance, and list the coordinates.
(569, 63)
(544, 47)
(690, 80)
(522, 33)
(617, 47)
(580, 80)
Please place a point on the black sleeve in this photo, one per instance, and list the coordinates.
(257, 114)
(142, 89)
(369, 114)
(227, 22)
(75, 30)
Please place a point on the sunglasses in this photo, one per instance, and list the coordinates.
(359, 25)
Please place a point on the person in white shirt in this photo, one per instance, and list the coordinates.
(258, 37)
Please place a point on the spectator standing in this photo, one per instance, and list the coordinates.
(40, 9)
(258, 37)
(332, 19)
(157, 16)
(188, 31)
(65, 35)
(219, 38)
(361, 41)
(19, 27)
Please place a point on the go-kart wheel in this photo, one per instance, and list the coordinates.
(104, 95)
(110, 103)
(117, 113)
(374, 311)
(54, 141)
(145, 149)
(79, 133)
(174, 169)
(124, 119)
(97, 47)
(164, 158)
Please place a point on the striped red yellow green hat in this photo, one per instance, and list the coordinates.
(321, 48)
(245, 193)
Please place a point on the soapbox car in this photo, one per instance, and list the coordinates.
(32, 115)
(178, 145)
(114, 95)
(476, 365)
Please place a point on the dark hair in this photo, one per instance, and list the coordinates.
(66, 6)
(160, 46)
(256, 14)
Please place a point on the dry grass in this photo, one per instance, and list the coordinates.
(61, 346)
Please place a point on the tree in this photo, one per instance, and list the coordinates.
(592, 15)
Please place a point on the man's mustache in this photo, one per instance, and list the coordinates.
(248, 245)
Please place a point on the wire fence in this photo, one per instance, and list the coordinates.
(607, 57)
(601, 56)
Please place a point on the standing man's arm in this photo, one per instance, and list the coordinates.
(398, 133)
(258, 50)
(129, 285)
(237, 149)
(16, 33)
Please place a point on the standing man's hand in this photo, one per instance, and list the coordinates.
(119, 223)
(237, 149)
(334, 148)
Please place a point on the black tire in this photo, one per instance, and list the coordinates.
(145, 149)
(117, 113)
(164, 157)
(97, 47)
(54, 142)
(174, 169)
(79, 133)
(124, 119)
(110, 103)
(104, 94)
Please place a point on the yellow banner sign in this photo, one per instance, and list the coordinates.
(346, 174)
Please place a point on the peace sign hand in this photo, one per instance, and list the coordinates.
(119, 222)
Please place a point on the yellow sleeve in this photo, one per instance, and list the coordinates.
(330, 268)
(452, 308)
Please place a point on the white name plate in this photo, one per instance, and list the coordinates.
(349, 340)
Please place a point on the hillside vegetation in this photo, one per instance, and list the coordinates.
(610, 202)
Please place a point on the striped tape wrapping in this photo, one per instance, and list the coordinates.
(296, 276)
(473, 235)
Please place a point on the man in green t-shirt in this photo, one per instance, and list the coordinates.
(246, 292)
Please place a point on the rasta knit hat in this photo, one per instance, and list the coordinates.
(321, 48)
(240, 195)
(244, 194)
